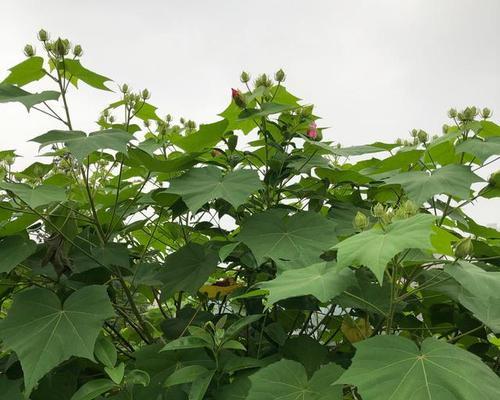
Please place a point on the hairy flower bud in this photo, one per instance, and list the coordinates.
(464, 248)
(452, 113)
(61, 47)
(124, 88)
(238, 98)
(423, 137)
(485, 113)
(445, 128)
(145, 94)
(245, 77)
(77, 51)
(414, 133)
(168, 118)
(399, 141)
(264, 81)
(232, 142)
(279, 76)
(29, 50)
(361, 221)
(378, 210)
(43, 36)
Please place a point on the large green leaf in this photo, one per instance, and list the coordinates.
(201, 185)
(393, 367)
(188, 268)
(322, 280)
(480, 292)
(266, 109)
(9, 389)
(93, 389)
(13, 251)
(287, 380)
(481, 149)
(51, 332)
(172, 164)
(112, 139)
(57, 136)
(454, 180)
(207, 137)
(79, 72)
(301, 237)
(37, 196)
(10, 93)
(375, 247)
(25, 72)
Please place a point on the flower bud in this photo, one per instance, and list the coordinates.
(245, 77)
(452, 113)
(485, 113)
(29, 50)
(279, 76)
(77, 51)
(464, 248)
(312, 132)
(361, 221)
(43, 36)
(111, 119)
(445, 128)
(238, 98)
(423, 137)
(61, 47)
(182, 120)
(264, 81)
(232, 142)
(414, 133)
(168, 118)
(378, 210)
(399, 141)
(145, 94)
(124, 88)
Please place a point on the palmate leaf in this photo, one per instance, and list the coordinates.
(79, 72)
(44, 333)
(301, 237)
(394, 368)
(9, 389)
(10, 93)
(188, 268)
(322, 280)
(481, 149)
(13, 251)
(375, 247)
(37, 196)
(454, 180)
(200, 185)
(25, 72)
(287, 380)
(480, 292)
(207, 137)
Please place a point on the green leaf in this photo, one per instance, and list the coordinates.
(454, 180)
(480, 292)
(489, 129)
(10, 93)
(57, 136)
(116, 373)
(188, 342)
(237, 326)
(172, 164)
(322, 280)
(207, 137)
(78, 71)
(375, 247)
(188, 268)
(112, 139)
(265, 110)
(52, 333)
(25, 72)
(93, 389)
(185, 375)
(200, 386)
(105, 351)
(10, 389)
(393, 367)
(303, 236)
(37, 196)
(13, 251)
(287, 380)
(200, 185)
(481, 149)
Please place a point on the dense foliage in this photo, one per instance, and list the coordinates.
(242, 259)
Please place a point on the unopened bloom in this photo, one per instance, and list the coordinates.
(238, 98)
(312, 132)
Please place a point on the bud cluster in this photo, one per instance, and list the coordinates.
(469, 114)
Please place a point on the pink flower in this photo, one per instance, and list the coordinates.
(312, 132)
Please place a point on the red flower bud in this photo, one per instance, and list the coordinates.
(238, 98)
(312, 132)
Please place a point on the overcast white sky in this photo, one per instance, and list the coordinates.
(374, 69)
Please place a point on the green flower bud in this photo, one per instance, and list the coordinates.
(29, 50)
(232, 142)
(168, 118)
(399, 141)
(264, 81)
(145, 94)
(191, 125)
(361, 221)
(111, 119)
(464, 248)
(485, 113)
(445, 128)
(61, 47)
(414, 133)
(423, 137)
(43, 36)
(452, 113)
(378, 210)
(77, 51)
(245, 77)
(182, 120)
(279, 76)
(124, 88)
